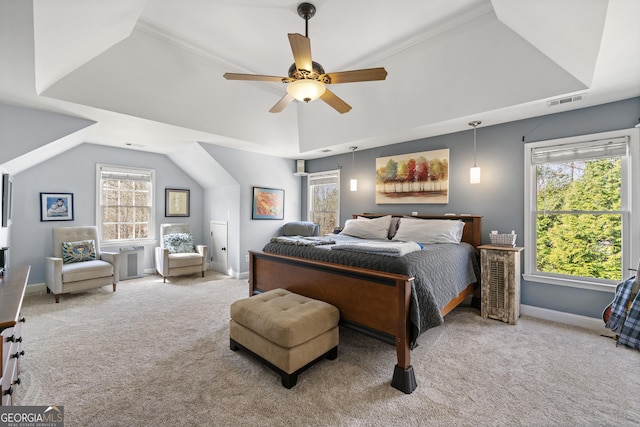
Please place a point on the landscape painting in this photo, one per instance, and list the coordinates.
(414, 178)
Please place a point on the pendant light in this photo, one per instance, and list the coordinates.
(474, 172)
(353, 184)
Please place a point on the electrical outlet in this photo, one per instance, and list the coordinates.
(246, 258)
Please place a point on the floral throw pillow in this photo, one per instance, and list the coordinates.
(81, 250)
(179, 243)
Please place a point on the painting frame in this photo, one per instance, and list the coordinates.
(268, 203)
(413, 178)
(177, 202)
(56, 207)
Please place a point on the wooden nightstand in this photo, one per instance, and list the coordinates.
(500, 282)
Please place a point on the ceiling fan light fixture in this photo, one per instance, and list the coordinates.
(306, 89)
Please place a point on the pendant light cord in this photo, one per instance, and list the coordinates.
(475, 126)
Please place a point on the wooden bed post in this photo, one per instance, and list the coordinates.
(404, 379)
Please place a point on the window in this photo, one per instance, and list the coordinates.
(125, 205)
(324, 200)
(578, 204)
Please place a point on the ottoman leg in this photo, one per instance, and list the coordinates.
(333, 353)
(233, 345)
(289, 380)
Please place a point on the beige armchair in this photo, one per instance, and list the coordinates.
(81, 266)
(177, 254)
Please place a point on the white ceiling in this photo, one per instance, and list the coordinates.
(149, 72)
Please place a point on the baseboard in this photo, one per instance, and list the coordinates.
(593, 323)
(35, 288)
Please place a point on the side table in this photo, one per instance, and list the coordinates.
(500, 282)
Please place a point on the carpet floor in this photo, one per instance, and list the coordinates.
(154, 354)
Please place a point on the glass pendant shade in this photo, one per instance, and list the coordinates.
(353, 184)
(306, 89)
(474, 175)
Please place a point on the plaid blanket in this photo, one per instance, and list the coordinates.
(626, 325)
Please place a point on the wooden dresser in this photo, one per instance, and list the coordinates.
(12, 288)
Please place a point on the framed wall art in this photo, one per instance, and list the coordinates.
(413, 178)
(268, 203)
(176, 202)
(56, 206)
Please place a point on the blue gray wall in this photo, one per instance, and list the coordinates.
(24, 132)
(499, 198)
(74, 172)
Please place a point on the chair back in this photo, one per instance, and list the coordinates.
(173, 228)
(74, 234)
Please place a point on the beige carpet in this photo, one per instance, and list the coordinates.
(156, 354)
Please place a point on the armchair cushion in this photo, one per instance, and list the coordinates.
(88, 270)
(179, 243)
(78, 251)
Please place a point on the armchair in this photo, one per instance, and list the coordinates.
(77, 264)
(177, 254)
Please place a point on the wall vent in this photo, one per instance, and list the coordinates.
(131, 262)
(566, 100)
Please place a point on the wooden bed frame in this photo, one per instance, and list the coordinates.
(372, 302)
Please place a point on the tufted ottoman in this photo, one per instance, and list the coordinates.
(287, 331)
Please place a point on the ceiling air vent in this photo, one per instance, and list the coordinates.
(566, 100)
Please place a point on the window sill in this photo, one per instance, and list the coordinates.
(126, 243)
(572, 283)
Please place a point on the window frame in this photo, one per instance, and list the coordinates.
(630, 170)
(317, 175)
(151, 239)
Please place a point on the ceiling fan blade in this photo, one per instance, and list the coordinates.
(282, 104)
(257, 77)
(301, 48)
(336, 103)
(358, 75)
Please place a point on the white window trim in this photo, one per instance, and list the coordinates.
(151, 240)
(631, 239)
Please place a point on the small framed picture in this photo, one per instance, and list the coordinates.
(56, 206)
(268, 203)
(176, 202)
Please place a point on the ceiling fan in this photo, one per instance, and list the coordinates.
(307, 79)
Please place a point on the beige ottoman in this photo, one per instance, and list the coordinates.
(286, 331)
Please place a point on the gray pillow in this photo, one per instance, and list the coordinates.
(301, 228)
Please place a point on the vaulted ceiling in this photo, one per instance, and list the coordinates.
(149, 72)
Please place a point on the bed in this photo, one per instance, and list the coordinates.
(387, 305)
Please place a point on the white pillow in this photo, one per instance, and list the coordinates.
(429, 231)
(365, 228)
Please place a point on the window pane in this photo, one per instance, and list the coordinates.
(142, 215)
(585, 185)
(585, 245)
(125, 202)
(109, 196)
(110, 214)
(141, 198)
(579, 244)
(109, 231)
(142, 231)
(325, 201)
